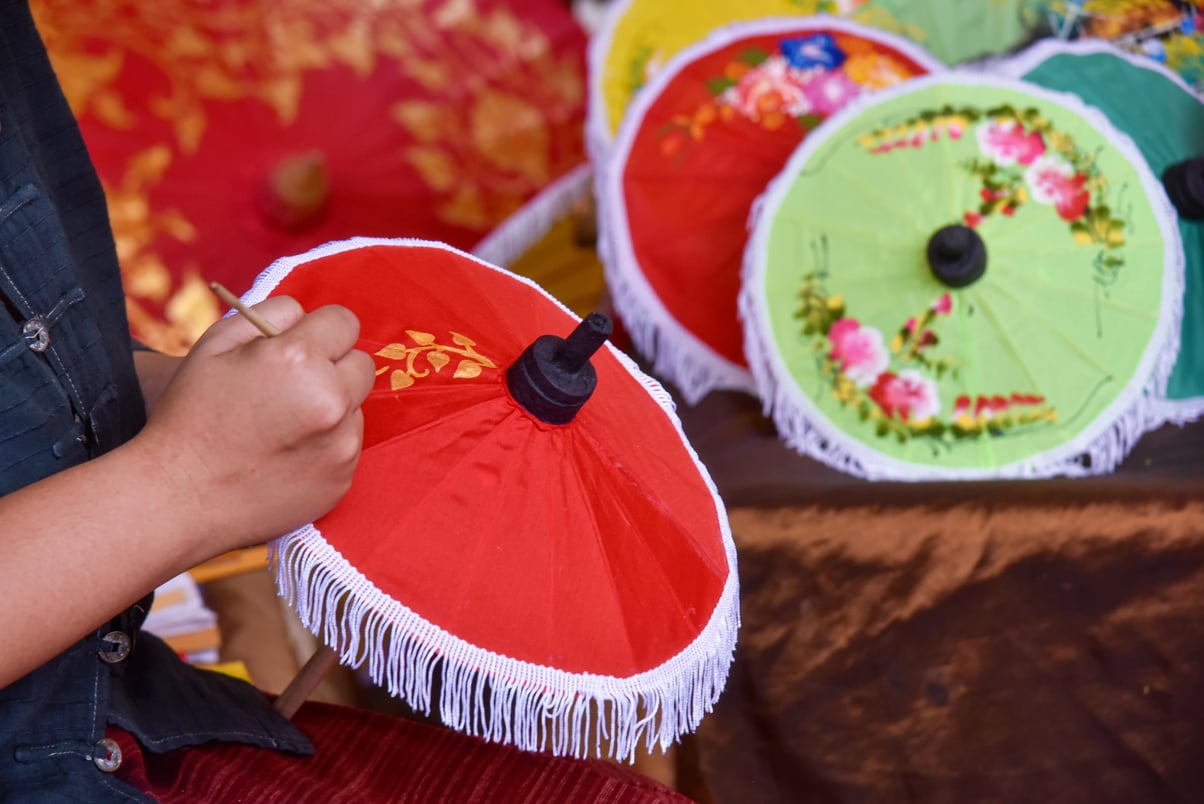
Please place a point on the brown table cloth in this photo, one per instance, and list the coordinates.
(956, 642)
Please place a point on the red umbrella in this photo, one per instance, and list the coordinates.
(229, 133)
(526, 519)
(696, 148)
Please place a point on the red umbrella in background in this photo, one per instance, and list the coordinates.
(230, 133)
(527, 520)
(695, 150)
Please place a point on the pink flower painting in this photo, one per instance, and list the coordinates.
(1007, 143)
(1052, 180)
(772, 86)
(829, 92)
(909, 395)
(859, 350)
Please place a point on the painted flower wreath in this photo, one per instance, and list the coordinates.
(1022, 158)
(895, 386)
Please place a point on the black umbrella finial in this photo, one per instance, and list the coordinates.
(553, 377)
(1184, 183)
(957, 255)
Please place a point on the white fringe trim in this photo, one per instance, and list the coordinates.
(676, 353)
(526, 227)
(599, 135)
(1176, 411)
(1096, 450)
(499, 698)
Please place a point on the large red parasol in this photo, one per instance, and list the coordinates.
(555, 551)
(229, 133)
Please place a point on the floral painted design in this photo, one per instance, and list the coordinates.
(803, 81)
(858, 351)
(404, 369)
(167, 82)
(1022, 159)
(897, 388)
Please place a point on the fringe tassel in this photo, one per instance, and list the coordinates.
(494, 697)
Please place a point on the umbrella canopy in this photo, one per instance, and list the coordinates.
(1165, 120)
(570, 580)
(697, 148)
(965, 277)
(281, 126)
(1170, 32)
(637, 37)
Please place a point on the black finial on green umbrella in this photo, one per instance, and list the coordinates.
(957, 256)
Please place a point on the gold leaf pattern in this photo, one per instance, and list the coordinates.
(436, 167)
(467, 370)
(428, 122)
(421, 338)
(399, 379)
(202, 54)
(507, 130)
(394, 351)
(437, 357)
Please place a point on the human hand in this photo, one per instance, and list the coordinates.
(258, 436)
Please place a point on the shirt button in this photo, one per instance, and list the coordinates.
(118, 644)
(37, 333)
(107, 755)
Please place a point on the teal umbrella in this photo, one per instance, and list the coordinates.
(1165, 119)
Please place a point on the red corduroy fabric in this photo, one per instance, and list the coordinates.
(364, 757)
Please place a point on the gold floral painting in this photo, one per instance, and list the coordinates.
(229, 134)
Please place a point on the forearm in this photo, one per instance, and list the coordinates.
(68, 568)
(155, 371)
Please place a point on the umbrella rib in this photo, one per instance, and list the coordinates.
(1067, 247)
(958, 204)
(905, 167)
(883, 277)
(872, 191)
(1009, 344)
(618, 470)
(599, 541)
(968, 338)
(1104, 301)
(1057, 333)
(860, 232)
(430, 423)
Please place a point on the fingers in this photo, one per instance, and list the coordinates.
(283, 311)
(358, 374)
(329, 332)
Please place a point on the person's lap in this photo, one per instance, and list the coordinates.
(366, 757)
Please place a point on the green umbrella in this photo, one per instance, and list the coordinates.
(964, 277)
(1166, 121)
